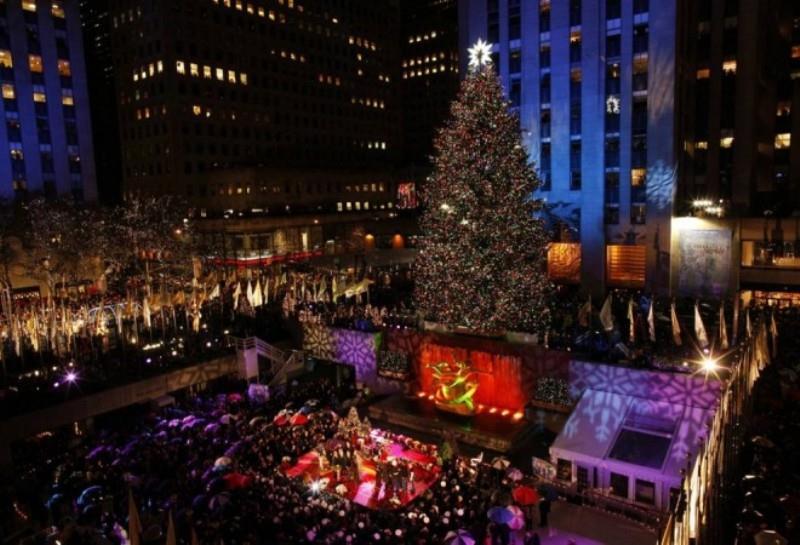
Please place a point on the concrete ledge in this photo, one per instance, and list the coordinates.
(29, 424)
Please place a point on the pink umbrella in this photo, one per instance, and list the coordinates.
(517, 522)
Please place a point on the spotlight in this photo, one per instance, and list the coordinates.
(71, 377)
(709, 364)
(315, 487)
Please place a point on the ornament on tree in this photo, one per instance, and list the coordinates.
(481, 262)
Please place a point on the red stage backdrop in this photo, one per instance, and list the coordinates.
(499, 376)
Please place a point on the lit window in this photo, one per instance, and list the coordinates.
(638, 176)
(207, 72)
(35, 63)
(180, 66)
(783, 140)
(339, 206)
(57, 9)
(160, 66)
(66, 97)
(349, 205)
(29, 5)
(8, 91)
(64, 68)
(151, 69)
(243, 78)
(197, 109)
(729, 67)
(703, 73)
(220, 74)
(702, 144)
(39, 96)
(194, 70)
(726, 142)
(231, 76)
(796, 51)
(5, 59)
(261, 12)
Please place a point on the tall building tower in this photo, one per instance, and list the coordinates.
(739, 88)
(259, 105)
(96, 24)
(430, 74)
(593, 82)
(47, 131)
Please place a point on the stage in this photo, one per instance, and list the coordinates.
(370, 484)
(494, 431)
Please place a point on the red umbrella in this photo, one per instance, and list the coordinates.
(281, 419)
(299, 419)
(525, 495)
(237, 480)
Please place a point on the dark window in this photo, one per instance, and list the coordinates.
(613, 46)
(612, 152)
(544, 18)
(493, 20)
(611, 215)
(613, 9)
(544, 123)
(641, 6)
(619, 485)
(575, 49)
(641, 38)
(612, 187)
(544, 89)
(639, 124)
(544, 55)
(515, 62)
(564, 469)
(515, 94)
(645, 492)
(574, 12)
(514, 20)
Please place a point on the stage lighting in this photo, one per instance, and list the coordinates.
(518, 415)
(71, 377)
(316, 487)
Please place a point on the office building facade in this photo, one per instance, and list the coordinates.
(47, 129)
(593, 84)
(282, 87)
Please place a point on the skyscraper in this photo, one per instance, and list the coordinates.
(266, 106)
(96, 24)
(45, 101)
(593, 83)
(430, 75)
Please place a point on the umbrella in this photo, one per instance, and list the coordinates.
(282, 418)
(235, 481)
(299, 419)
(220, 500)
(211, 428)
(501, 463)
(257, 420)
(459, 537)
(500, 515)
(525, 495)
(54, 500)
(770, 537)
(95, 452)
(223, 461)
(514, 474)
(518, 521)
(762, 441)
(226, 419)
(88, 494)
(234, 448)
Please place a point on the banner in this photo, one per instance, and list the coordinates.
(705, 262)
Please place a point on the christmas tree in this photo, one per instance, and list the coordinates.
(481, 262)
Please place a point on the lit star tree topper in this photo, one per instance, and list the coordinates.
(480, 55)
(481, 262)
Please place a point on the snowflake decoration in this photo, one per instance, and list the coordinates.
(480, 54)
(612, 104)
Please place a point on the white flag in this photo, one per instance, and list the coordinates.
(631, 322)
(606, 316)
(676, 326)
(723, 327)
(699, 328)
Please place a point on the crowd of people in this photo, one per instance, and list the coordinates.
(218, 464)
(768, 493)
